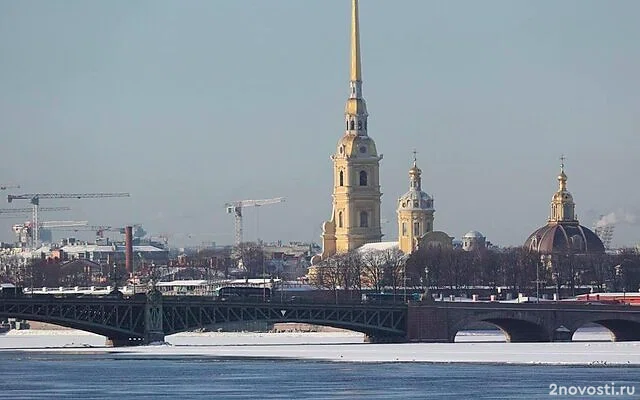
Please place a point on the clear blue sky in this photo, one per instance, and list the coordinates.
(191, 104)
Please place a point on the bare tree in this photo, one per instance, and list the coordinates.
(327, 274)
(373, 268)
(394, 262)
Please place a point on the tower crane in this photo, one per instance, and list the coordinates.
(28, 210)
(25, 231)
(62, 224)
(34, 198)
(98, 229)
(236, 207)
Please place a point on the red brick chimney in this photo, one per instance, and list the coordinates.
(128, 248)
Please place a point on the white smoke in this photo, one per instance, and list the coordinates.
(617, 217)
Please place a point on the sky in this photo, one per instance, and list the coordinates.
(188, 105)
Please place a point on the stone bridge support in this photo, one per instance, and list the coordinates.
(153, 329)
(622, 330)
(440, 323)
(153, 326)
(543, 322)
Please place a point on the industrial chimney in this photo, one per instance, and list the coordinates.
(128, 248)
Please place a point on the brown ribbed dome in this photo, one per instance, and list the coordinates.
(557, 237)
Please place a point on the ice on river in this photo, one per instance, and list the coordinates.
(590, 347)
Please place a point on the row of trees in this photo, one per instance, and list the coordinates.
(515, 268)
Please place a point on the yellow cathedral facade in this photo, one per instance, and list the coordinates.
(355, 218)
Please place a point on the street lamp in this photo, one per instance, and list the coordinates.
(620, 274)
(538, 282)
(556, 278)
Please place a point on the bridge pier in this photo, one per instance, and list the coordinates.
(562, 334)
(153, 329)
(428, 324)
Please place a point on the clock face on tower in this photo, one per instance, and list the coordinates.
(363, 149)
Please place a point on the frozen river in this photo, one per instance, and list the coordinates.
(592, 347)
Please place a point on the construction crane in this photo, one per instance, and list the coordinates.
(5, 186)
(24, 232)
(62, 224)
(99, 230)
(34, 198)
(236, 209)
(28, 210)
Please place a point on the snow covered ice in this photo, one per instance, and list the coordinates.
(590, 347)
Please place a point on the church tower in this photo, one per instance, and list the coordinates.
(562, 205)
(415, 212)
(355, 218)
(563, 233)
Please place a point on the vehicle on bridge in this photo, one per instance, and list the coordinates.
(185, 287)
(10, 290)
(243, 293)
(389, 298)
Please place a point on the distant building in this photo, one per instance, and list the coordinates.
(563, 233)
(473, 240)
(415, 212)
(100, 254)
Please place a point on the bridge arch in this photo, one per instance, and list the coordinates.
(516, 328)
(379, 323)
(621, 329)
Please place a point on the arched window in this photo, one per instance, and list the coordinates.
(341, 178)
(404, 229)
(359, 125)
(363, 178)
(353, 126)
(347, 125)
(416, 229)
(428, 226)
(340, 219)
(364, 219)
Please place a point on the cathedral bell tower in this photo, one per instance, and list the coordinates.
(415, 212)
(355, 218)
(562, 205)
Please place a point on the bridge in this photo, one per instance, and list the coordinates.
(148, 318)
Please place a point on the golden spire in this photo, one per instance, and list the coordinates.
(356, 74)
(356, 108)
(562, 178)
(562, 205)
(414, 173)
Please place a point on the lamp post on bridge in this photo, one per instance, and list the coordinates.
(620, 273)
(538, 281)
(556, 278)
